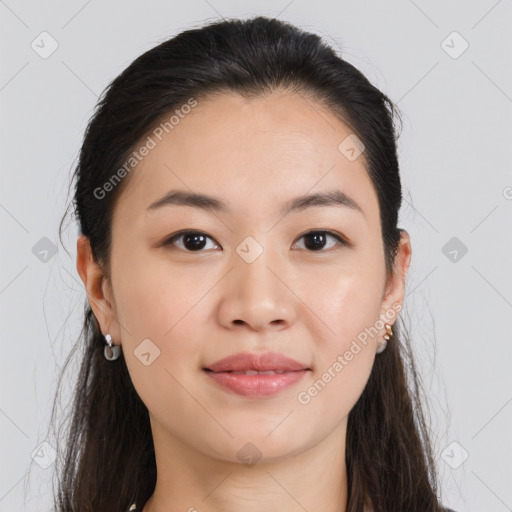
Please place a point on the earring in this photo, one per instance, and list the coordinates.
(111, 351)
(387, 336)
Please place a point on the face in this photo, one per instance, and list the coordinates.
(252, 277)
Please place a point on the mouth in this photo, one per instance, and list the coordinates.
(256, 375)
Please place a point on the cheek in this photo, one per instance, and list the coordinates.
(162, 303)
(343, 362)
(349, 307)
(155, 298)
(347, 299)
(157, 304)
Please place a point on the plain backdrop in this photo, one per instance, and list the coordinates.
(446, 64)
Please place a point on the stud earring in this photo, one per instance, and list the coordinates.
(111, 351)
(389, 332)
(387, 336)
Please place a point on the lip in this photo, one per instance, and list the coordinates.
(260, 362)
(257, 385)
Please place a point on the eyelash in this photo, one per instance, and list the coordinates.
(339, 238)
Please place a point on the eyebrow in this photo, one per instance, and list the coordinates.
(213, 204)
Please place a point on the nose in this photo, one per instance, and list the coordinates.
(256, 295)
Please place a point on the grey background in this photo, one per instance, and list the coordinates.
(457, 179)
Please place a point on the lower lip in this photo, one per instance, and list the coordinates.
(257, 385)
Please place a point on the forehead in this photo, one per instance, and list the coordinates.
(265, 149)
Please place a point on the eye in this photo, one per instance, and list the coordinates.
(193, 241)
(316, 240)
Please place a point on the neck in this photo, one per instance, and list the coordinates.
(190, 480)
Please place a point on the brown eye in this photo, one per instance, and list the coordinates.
(192, 241)
(316, 241)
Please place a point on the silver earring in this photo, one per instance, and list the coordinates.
(111, 351)
(389, 332)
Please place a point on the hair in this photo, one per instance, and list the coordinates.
(109, 459)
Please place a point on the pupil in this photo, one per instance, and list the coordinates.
(318, 243)
(195, 244)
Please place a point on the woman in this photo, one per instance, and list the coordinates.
(238, 193)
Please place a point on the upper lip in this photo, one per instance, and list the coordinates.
(259, 362)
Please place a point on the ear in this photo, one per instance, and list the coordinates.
(394, 293)
(98, 288)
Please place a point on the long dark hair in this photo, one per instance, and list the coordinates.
(109, 459)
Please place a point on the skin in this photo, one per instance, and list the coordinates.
(198, 307)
